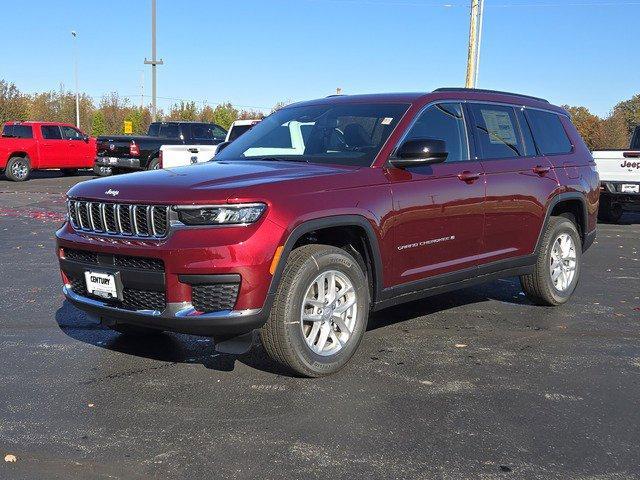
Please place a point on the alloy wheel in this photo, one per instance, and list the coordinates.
(562, 264)
(329, 312)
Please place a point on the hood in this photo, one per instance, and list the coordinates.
(206, 183)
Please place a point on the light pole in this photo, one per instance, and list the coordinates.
(154, 62)
(475, 33)
(75, 70)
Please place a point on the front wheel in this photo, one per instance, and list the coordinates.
(320, 311)
(557, 268)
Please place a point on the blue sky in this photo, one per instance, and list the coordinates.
(255, 53)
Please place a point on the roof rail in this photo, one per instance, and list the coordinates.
(480, 90)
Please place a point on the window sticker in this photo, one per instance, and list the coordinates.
(387, 121)
(499, 127)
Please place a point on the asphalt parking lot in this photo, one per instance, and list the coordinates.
(473, 384)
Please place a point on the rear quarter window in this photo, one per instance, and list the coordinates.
(17, 131)
(549, 133)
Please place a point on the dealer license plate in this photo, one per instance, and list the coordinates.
(630, 188)
(101, 284)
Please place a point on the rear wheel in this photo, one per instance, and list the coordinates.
(135, 331)
(18, 169)
(320, 311)
(610, 211)
(154, 164)
(102, 170)
(557, 268)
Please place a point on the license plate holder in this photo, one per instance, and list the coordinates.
(105, 285)
(630, 188)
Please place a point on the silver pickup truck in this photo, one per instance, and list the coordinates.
(619, 179)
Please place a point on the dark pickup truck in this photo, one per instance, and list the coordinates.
(121, 153)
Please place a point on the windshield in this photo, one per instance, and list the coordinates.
(346, 134)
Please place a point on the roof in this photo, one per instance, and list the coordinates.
(453, 93)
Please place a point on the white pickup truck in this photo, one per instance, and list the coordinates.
(182, 155)
(619, 179)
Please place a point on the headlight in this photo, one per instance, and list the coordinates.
(221, 214)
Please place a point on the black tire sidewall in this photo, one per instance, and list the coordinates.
(346, 264)
(152, 164)
(565, 226)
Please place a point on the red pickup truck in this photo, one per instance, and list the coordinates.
(28, 146)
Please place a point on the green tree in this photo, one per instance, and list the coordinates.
(224, 115)
(186, 111)
(98, 124)
(13, 104)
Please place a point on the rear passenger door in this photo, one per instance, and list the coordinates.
(518, 181)
(53, 149)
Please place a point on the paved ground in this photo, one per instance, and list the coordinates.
(473, 384)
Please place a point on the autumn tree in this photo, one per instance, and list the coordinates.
(13, 104)
(590, 126)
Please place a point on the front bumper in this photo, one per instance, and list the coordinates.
(117, 162)
(190, 258)
(176, 317)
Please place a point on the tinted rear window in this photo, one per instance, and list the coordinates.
(154, 129)
(548, 132)
(238, 130)
(207, 131)
(17, 131)
(169, 130)
(51, 132)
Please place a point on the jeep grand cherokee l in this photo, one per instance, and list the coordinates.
(382, 199)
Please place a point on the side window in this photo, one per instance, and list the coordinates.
(443, 121)
(70, 133)
(548, 132)
(529, 144)
(497, 131)
(169, 130)
(17, 131)
(204, 131)
(51, 132)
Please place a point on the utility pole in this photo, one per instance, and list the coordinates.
(153, 62)
(475, 31)
(75, 70)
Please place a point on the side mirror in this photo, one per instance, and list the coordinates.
(222, 146)
(422, 151)
(85, 138)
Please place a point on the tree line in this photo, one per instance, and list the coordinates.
(107, 116)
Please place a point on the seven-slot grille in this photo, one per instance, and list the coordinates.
(147, 221)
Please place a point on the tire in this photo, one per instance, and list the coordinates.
(135, 331)
(18, 169)
(610, 211)
(154, 164)
(283, 336)
(539, 286)
(69, 172)
(102, 170)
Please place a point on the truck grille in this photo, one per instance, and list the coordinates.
(145, 221)
(123, 261)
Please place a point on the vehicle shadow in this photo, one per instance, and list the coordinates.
(52, 174)
(178, 348)
(628, 218)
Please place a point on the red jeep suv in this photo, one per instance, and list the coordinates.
(330, 209)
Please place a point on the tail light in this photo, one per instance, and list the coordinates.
(134, 150)
(160, 159)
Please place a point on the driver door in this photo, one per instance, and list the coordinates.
(439, 208)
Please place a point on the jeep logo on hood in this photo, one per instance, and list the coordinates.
(113, 193)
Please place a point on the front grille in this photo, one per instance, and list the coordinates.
(214, 297)
(145, 221)
(108, 260)
(131, 299)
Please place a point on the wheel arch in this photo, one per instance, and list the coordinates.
(337, 223)
(574, 203)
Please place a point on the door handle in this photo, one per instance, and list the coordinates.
(193, 150)
(541, 170)
(468, 177)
